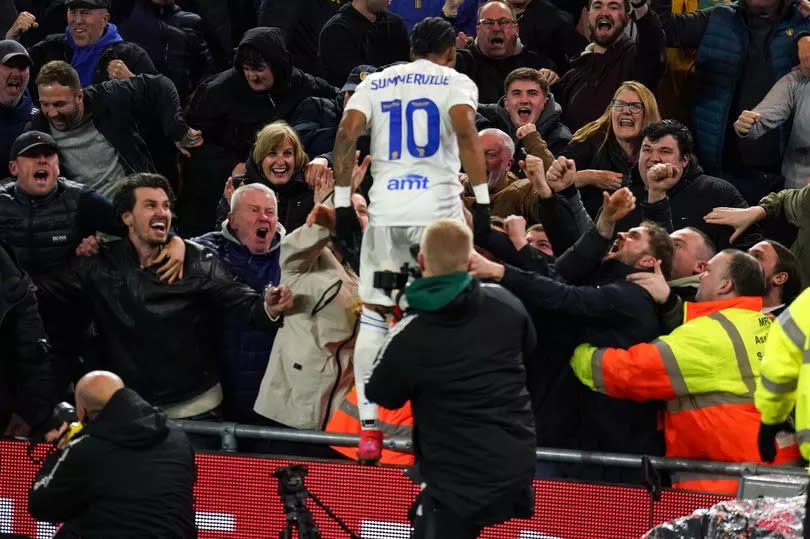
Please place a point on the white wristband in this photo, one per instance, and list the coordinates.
(481, 192)
(343, 196)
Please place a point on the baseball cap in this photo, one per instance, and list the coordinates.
(10, 49)
(356, 77)
(31, 140)
(90, 4)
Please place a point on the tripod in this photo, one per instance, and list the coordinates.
(294, 496)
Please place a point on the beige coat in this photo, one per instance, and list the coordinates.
(310, 368)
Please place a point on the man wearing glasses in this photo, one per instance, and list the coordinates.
(613, 57)
(497, 51)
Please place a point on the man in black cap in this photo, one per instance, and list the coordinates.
(44, 218)
(92, 45)
(16, 105)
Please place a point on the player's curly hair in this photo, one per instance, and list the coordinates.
(433, 35)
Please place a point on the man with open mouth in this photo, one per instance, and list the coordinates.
(16, 105)
(496, 52)
(613, 57)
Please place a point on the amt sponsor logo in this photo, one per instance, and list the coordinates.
(409, 182)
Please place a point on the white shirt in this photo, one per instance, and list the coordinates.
(414, 150)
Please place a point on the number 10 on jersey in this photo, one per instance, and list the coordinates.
(394, 109)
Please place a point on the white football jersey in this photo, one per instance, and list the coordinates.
(414, 151)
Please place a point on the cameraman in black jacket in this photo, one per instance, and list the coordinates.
(125, 474)
(458, 357)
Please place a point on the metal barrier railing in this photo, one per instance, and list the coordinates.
(230, 432)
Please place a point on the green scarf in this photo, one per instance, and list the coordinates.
(434, 293)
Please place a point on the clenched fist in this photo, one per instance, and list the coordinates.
(660, 179)
(746, 122)
(524, 130)
(561, 173)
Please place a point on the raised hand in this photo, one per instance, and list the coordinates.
(653, 282)
(746, 122)
(536, 173)
(738, 218)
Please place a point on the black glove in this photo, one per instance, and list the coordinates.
(481, 223)
(767, 439)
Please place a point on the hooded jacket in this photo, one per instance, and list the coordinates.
(349, 39)
(128, 474)
(549, 124)
(245, 350)
(230, 113)
(58, 47)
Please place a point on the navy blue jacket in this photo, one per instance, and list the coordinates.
(245, 349)
(12, 123)
(721, 36)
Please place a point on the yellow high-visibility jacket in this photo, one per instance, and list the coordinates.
(785, 372)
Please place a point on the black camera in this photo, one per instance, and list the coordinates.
(388, 281)
(290, 479)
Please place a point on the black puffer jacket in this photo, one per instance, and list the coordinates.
(26, 381)
(128, 474)
(545, 29)
(161, 339)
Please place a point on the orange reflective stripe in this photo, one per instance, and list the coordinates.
(706, 400)
(694, 310)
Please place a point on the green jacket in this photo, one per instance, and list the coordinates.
(793, 206)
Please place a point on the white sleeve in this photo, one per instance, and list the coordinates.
(463, 91)
(361, 100)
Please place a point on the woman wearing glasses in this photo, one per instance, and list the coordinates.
(606, 150)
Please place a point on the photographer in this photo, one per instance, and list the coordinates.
(458, 357)
(126, 473)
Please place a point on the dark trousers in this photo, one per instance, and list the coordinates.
(431, 520)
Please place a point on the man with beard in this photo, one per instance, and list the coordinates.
(162, 339)
(529, 114)
(604, 308)
(361, 32)
(16, 106)
(783, 283)
(613, 57)
(97, 128)
(497, 51)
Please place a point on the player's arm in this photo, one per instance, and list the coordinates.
(469, 149)
(351, 127)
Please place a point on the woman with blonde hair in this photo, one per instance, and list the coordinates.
(277, 160)
(606, 150)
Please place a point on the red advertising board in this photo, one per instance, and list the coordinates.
(237, 496)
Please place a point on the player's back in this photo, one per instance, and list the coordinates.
(415, 158)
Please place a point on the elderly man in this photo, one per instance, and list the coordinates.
(98, 129)
(496, 52)
(248, 245)
(527, 112)
(92, 45)
(127, 473)
(706, 370)
(585, 90)
(16, 105)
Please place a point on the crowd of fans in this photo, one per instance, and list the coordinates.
(627, 179)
